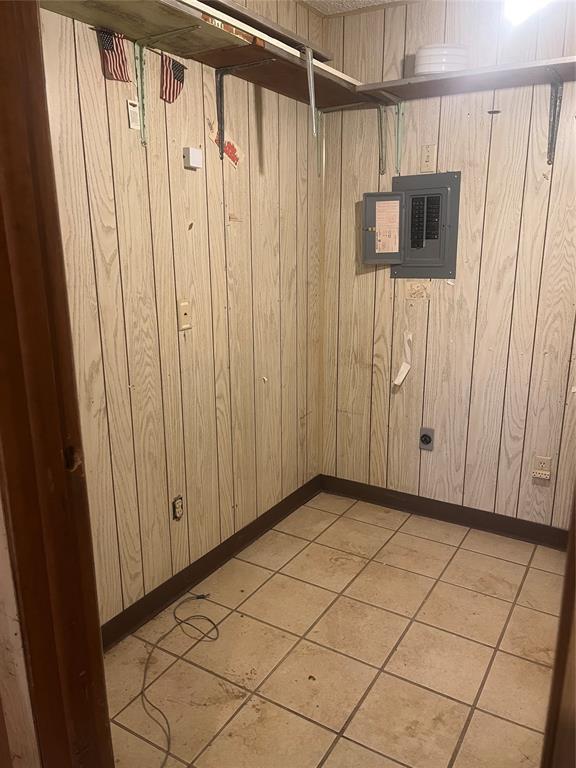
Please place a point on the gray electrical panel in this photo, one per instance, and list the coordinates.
(414, 228)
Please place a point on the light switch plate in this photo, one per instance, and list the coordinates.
(428, 153)
(184, 317)
(133, 114)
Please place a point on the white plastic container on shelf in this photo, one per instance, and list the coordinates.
(433, 59)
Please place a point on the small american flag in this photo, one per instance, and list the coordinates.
(172, 80)
(113, 57)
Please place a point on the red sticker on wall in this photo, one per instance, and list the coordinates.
(231, 150)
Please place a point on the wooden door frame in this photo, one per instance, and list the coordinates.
(41, 467)
(559, 740)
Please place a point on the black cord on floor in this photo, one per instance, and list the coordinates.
(188, 621)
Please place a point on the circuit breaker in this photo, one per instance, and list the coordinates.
(414, 228)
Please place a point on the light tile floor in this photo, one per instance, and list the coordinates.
(352, 636)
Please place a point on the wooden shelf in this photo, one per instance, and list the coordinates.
(188, 29)
(168, 25)
(262, 24)
(285, 73)
(484, 79)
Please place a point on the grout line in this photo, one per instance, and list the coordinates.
(339, 514)
(137, 696)
(507, 720)
(373, 558)
(176, 657)
(413, 535)
(306, 636)
(147, 741)
(391, 654)
(488, 670)
(363, 746)
(415, 683)
(255, 691)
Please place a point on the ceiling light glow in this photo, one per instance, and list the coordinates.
(517, 11)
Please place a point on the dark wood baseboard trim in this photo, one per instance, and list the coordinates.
(148, 606)
(154, 602)
(451, 513)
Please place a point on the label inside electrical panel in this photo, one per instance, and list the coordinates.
(133, 115)
(387, 226)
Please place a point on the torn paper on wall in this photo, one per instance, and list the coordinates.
(407, 363)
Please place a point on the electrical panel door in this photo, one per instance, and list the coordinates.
(382, 227)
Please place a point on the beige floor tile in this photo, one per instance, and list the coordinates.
(517, 690)
(423, 556)
(245, 652)
(494, 743)
(466, 613)
(232, 583)
(409, 724)
(346, 754)
(272, 550)
(263, 735)
(196, 703)
(131, 752)
(499, 546)
(446, 663)
(124, 667)
(319, 683)
(542, 591)
(437, 530)
(306, 522)
(547, 559)
(325, 567)
(377, 515)
(329, 502)
(360, 630)
(288, 603)
(182, 637)
(387, 587)
(531, 634)
(485, 574)
(355, 537)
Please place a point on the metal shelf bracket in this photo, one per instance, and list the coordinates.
(556, 90)
(382, 123)
(311, 90)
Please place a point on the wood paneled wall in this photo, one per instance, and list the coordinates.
(225, 414)
(493, 357)
(288, 367)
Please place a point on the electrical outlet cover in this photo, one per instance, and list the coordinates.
(542, 468)
(428, 153)
(426, 439)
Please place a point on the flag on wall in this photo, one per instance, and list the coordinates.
(113, 57)
(172, 80)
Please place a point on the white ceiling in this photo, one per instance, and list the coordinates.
(333, 7)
